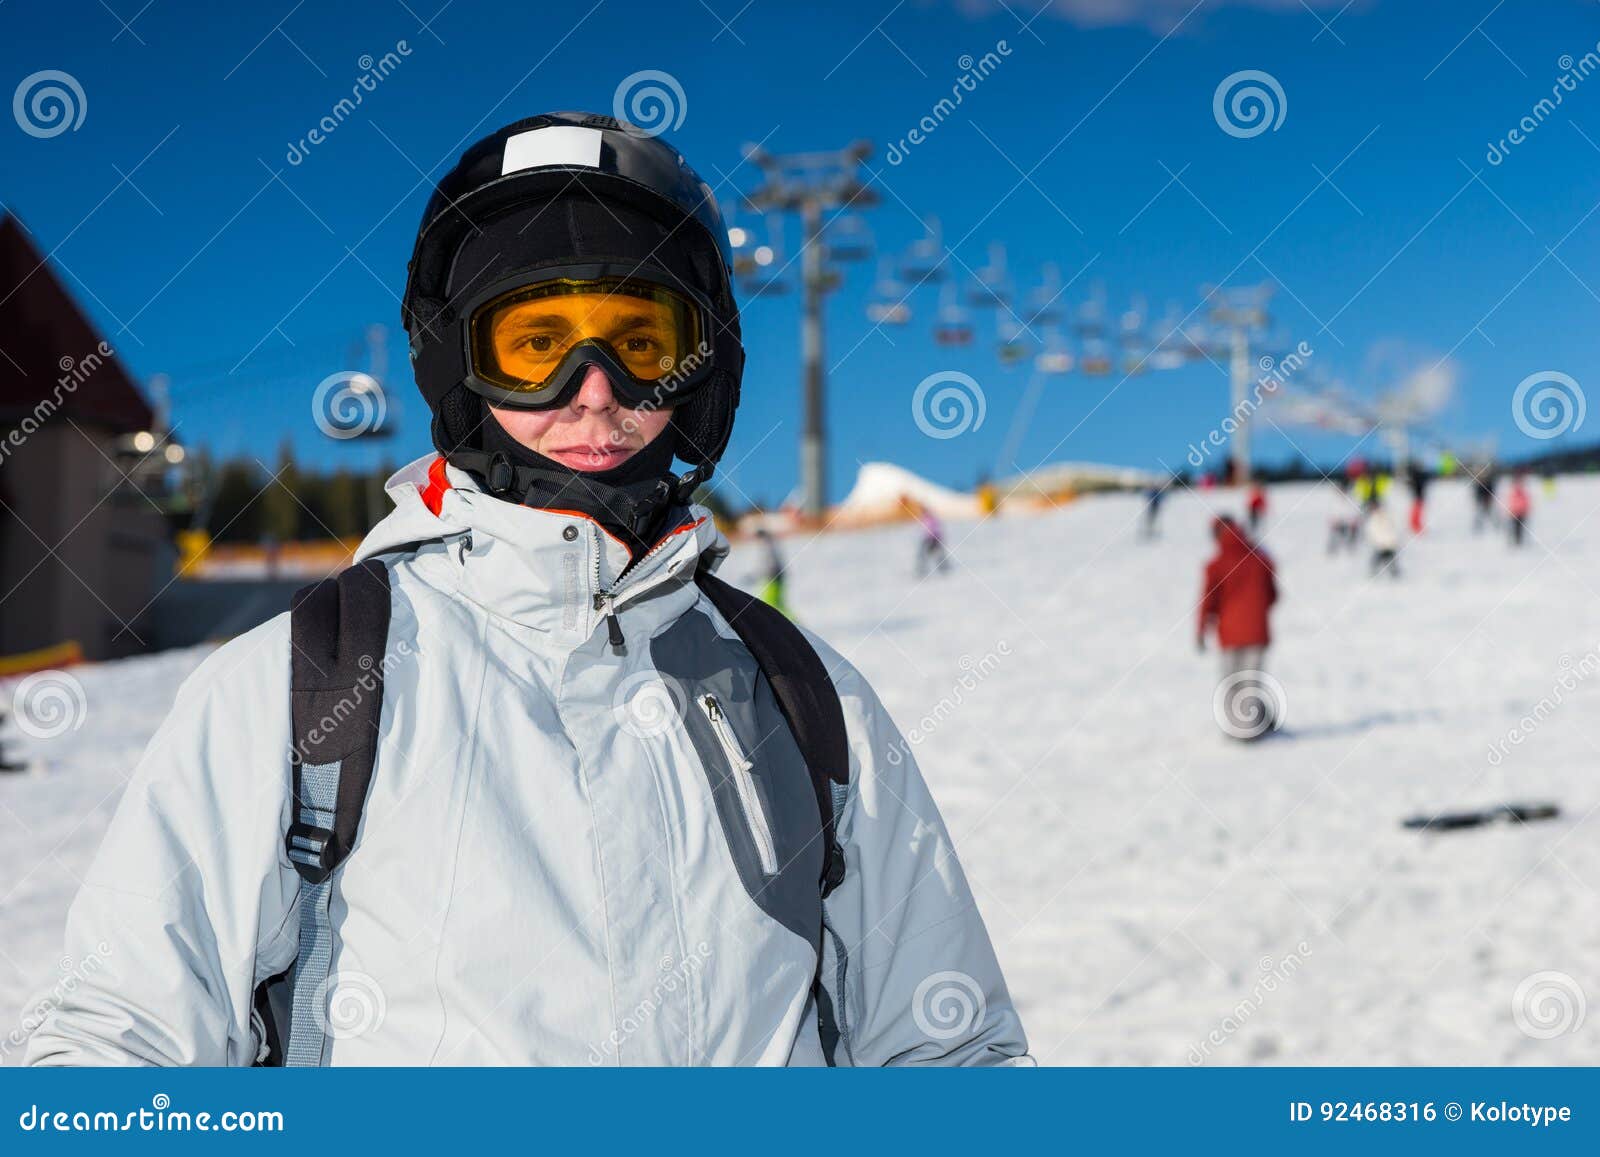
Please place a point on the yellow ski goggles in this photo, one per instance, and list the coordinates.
(534, 340)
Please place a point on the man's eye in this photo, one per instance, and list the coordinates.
(539, 343)
(639, 345)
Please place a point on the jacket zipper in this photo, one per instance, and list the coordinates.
(606, 602)
(739, 764)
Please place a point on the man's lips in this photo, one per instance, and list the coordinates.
(592, 457)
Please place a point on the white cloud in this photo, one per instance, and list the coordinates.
(1160, 15)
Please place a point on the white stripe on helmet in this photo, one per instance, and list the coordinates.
(553, 145)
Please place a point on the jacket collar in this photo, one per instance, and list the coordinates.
(552, 570)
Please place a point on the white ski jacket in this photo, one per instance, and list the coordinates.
(567, 855)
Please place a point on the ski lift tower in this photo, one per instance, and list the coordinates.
(1242, 312)
(811, 184)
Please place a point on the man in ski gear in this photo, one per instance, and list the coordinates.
(1417, 477)
(772, 576)
(529, 784)
(1519, 504)
(932, 555)
(1483, 483)
(1256, 507)
(1384, 539)
(1238, 590)
(1154, 496)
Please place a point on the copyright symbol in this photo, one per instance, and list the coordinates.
(1452, 1112)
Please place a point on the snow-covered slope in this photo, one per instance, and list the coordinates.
(1157, 892)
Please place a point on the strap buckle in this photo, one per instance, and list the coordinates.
(307, 846)
(499, 476)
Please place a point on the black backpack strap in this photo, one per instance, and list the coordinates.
(805, 694)
(339, 632)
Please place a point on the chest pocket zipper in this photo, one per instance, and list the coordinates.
(744, 783)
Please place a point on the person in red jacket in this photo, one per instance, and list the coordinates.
(1518, 507)
(1239, 589)
(1256, 508)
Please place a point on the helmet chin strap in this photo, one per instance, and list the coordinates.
(637, 506)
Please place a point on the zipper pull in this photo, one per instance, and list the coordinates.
(602, 602)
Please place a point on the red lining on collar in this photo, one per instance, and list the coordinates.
(438, 483)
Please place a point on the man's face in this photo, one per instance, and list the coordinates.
(591, 432)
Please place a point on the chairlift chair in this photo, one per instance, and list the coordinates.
(890, 303)
(847, 239)
(991, 288)
(1013, 348)
(1055, 358)
(1044, 303)
(923, 262)
(951, 327)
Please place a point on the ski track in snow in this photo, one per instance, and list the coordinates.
(1148, 882)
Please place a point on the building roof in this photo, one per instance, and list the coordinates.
(45, 338)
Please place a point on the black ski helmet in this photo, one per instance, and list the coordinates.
(557, 189)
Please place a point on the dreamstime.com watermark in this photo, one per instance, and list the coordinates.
(49, 103)
(46, 704)
(348, 404)
(1249, 102)
(645, 705)
(948, 1005)
(675, 373)
(1274, 975)
(973, 73)
(74, 372)
(1547, 404)
(973, 672)
(1573, 673)
(1548, 1004)
(947, 404)
(1249, 703)
(673, 974)
(350, 1004)
(1273, 375)
(160, 1117)
(649, 103)
(1573, 73)
(373, 73)
(73, 975)
(366, 684)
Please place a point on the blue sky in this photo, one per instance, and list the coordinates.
(206, 255)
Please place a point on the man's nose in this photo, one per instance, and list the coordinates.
(595, 392)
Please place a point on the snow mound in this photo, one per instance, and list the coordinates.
(881, 486)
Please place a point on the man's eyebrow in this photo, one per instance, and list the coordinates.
(536, 321)
(646, 320)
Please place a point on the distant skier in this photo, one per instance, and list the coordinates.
(932, 556)
(1238, 591)
(1482, 498)
(1344, 528)
(772, 578)
(6, 763)
(1153, 498)
(1256, 507)
(1384, 540)
(1518, 506)
(1417, 478)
